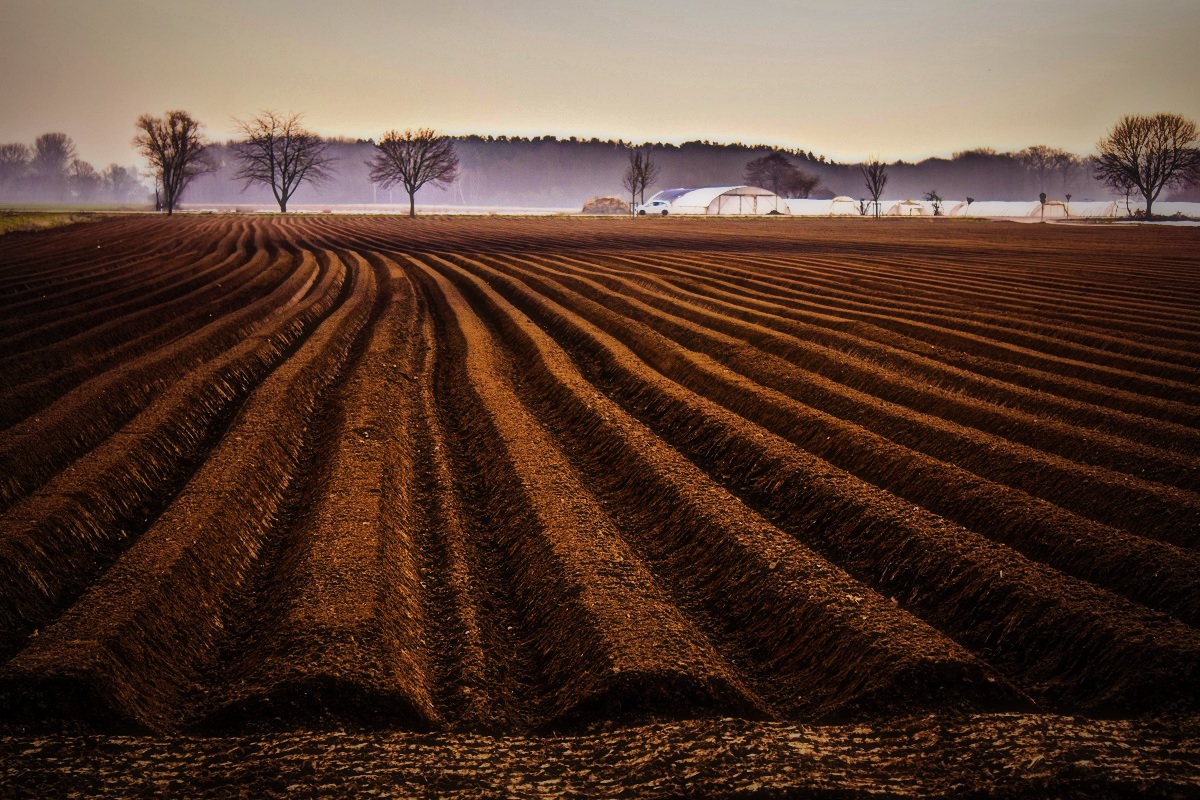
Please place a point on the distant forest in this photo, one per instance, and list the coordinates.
(548, 172)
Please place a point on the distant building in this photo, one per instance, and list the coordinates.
(723, 201)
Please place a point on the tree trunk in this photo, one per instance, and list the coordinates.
(283, 205)
(412, 204)
(1149, 203)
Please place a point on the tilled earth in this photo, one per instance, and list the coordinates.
(338, 505)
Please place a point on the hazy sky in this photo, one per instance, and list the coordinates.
(901, 79)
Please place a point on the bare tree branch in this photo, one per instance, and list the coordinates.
(15, 161)
(639, 174)
(775, 172)
(413, 159)
(1151, 153)
(175, 149)
(277, 151)
(52, 157)
(875, 174)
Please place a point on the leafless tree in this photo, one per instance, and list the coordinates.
(174, 146)
(800, 184)
(1042, 161)
(121, 184)
(933, 197)
(632, 179)
(52, 157)
(413, 159)
(83, 179)
(1151, 153)
(650, 170)
(639, 174)
(874, 172)
(277, 151)
(1067, 164)
(14, 164)
(776, 172)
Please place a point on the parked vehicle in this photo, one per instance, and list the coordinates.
(661, 207)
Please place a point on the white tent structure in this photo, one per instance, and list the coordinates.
(837, 207)
(909, 208)
(807, 207)
(992, 208)
(724, 201)
(844, 207)
(1092, 208)
(1000, 208)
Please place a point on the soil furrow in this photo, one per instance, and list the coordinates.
(56, 541)
(611, 641)
(813, 634)
(136, 642)
(1016, 611)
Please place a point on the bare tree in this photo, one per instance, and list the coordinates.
(121, 184)
(933, 197)
(175, 148)
(52, 157)
(650, 170)
(1151, 153)
(874, 172)
(776, 172)
(84, 181)
(632, 179)
(800, 184)
(14, 164)
(1067, 164)
(1041, 161)
(639, 174)
(413, 159)
(278, 151)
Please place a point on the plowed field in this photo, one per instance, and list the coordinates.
(640, 508)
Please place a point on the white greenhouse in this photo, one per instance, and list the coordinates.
(723, 201)
(837, 207)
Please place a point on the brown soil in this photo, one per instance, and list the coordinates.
(614, 507)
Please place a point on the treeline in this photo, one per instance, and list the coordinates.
(546, 171)
(543, 171)
(50, 171)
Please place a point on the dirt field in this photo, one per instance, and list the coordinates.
(653, 508)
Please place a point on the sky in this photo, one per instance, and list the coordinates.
(896, 79)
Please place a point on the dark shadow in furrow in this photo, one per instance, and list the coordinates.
(147, 292)
(945, 371)
(997, 286)
(476, 664)
(1067, 643)
(270, 270)
(1138, 503)
(507, 668)
(75, 337)
(809, 638)
(833, 331)
(484, 676)
(133, 647)
(94, 410)
(1150, 378)
(1038, 334)
(57, 541)
(53, 274)
(331, 631)
(1164, 577)
(609, 644)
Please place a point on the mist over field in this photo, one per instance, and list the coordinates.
(549, 172)
(564, 173)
